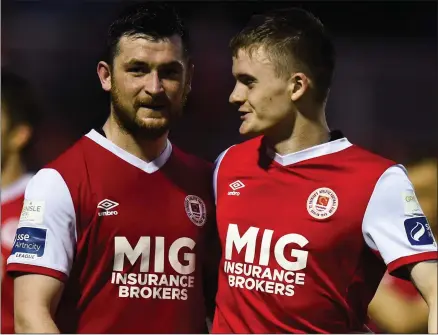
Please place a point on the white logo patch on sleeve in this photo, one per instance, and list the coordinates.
(411, 204)
(32, 212)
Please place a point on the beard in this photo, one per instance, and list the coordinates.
(130, 122)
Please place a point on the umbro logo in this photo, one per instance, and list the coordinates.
(107, 205)
(236, 186)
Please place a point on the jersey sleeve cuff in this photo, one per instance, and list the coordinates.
(395, 268)
(35, 269)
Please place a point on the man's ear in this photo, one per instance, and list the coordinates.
(298, 85)
(104, 73)
(190, 72)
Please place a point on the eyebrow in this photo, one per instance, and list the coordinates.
(243, 77)
(138, 62)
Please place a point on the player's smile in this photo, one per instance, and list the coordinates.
(154, 110)
(153, 116)
(245, 115)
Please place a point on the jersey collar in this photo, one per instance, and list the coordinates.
(337, 143)
(148, 167)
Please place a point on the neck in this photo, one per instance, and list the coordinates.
(12, 170)
(304, 134)
(145, 149)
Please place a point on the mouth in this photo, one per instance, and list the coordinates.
(153, 107)
(243, 115)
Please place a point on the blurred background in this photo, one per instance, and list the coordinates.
(384, 95)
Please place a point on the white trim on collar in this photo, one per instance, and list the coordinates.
(148, 167)
(309, 153)
(16, 189)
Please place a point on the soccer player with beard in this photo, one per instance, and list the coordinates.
(308, 221)
(18, 119)
(112, 233)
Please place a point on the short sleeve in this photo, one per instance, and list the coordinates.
(394, 223)
(46, 234)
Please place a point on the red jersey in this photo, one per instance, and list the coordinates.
(303, 236)
(12, 202)
(126, 237)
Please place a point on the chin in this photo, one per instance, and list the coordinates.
(249, 131)
(152, 128)
(149, 133)
(152, 123)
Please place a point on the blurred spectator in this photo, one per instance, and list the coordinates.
(397, 306)
(18, 116)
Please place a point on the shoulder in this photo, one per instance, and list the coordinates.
(366, 158)
(357, 166)
(47, 185)
(224, 162)
(46, 195)
(249, 148)
(72, 158)
(192, 162)
(393, 201)
(75, 169)
(395, 188)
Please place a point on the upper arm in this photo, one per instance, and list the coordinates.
(394, 223)
(393, 312)
(33, 291)
(424, 275)
(46, 235)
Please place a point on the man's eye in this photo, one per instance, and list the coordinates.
(169, 73)
(136, 70)
(249, 82)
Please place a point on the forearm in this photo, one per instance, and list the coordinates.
(35, 321)
(425, 276)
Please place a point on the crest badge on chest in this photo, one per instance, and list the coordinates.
(196, 210)
(322, 203)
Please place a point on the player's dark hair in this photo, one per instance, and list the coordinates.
(154, 20)
(19, 98)
(294, 39)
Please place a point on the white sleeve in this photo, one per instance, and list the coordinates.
(394, 223)
(217, 163)
(46, 235)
